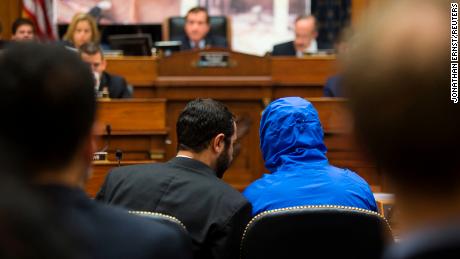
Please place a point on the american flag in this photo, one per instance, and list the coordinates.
(41, 13)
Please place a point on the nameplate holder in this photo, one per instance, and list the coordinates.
(100, 156)
(213, 59)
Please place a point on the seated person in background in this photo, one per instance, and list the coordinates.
(117, 87)
(333, 87)
(405, 117)
(53, 89)
(189, 186)
(82, 29)
(291, 139)
(306, 31)
(197, 34)
(23, 30)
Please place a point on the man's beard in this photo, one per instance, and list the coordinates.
(222, 163)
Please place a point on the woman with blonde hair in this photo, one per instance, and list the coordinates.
(82, 29)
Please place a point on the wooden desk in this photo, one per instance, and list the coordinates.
(277, 76)
(140, 72)
(301, 76)
(138, 127)
(246, 78)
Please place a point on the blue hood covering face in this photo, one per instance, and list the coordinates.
(291, 134)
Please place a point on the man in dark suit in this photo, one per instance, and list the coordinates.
(189, 186)
(197, 34)
(406, 113)
(48, 93)
(116, 86)
(306, 31)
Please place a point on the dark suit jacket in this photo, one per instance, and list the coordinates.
(333, 87)
(99, 231)
(214, 213)
(288, 49)
(284, 49)
(210, 41)
(117, 86)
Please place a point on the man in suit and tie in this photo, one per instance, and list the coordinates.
(306, 31)
(197, 34)
(117, 87)
(47, 96)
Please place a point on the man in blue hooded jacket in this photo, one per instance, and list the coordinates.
(291, 139)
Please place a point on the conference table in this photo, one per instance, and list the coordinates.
(245, 83)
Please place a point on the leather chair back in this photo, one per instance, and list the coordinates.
(160, 217)
(316, 232)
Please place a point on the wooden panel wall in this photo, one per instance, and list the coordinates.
(10, 10)
(358, 7)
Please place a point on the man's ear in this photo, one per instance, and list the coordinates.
(315, 35)
(218, 143)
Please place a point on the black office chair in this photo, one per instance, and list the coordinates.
(173, 27)
(319, 231)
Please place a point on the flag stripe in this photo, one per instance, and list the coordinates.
(40, 12)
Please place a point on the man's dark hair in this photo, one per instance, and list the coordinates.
(91, 48)
(48, 105)
(22, 21)
(200, 122)
(198, 9)
(400, 97)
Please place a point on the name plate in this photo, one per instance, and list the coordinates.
(100, 156)
(213, 59)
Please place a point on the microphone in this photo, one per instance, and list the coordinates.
(108, 130)
(119, 156)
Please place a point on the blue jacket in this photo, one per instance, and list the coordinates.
(291, 139)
